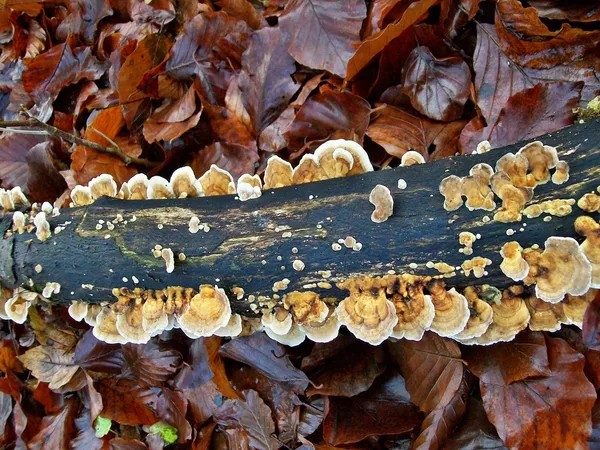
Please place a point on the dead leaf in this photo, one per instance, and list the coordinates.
(47, 74)
(89, 163)
(383, 410)
(265, 83)
(126, 402)
(352, 371)
(171, 407)
(196, 370)
(374, 44)
(438, 88)
(591, 324)
(5, 411)
(432, 368)
(552, 412)
(376, 14)
(456, 14)
(526, 40)
(44, 183)
(51, 401)
(36, 40)
(173, 118)
(243, 9)
(84, 19)
(329, 115)
(271, 139)
(506, 362)
(268, 357)
(149, 53)
(159, 12)
(57, 430)
(204, 400)
(151, 363)
(127, 444)
(86, 436)
(9, 362)
(252, 416)
(14, 170)
(575, 11)
(98, 356)
(54, 365)
(323, 33)
(233, 158)
(475, 432)
(440, 423)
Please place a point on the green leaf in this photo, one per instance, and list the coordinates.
(102, 426)
(167, 432)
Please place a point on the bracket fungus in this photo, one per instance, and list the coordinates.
(381, 197)
(481, 315)
(154, 314)
(130, 322)
(451, 310)
(17, 306)
(477, 265)
(575, 306)
(467, 239)
(18, 220)
(42, 227)
(217, 181)
(545, 316)
(561, 173)
(541, 159)
(588, 227)
(516, 167)
(560, 269)
(184, 183)
(590, 202)
(205, 312)
(410, 158)
(105, 328)
(138, 187)
(81, 196)
(306, 307)
(451, 189)
(478, 193)
(78, 310)
(340, 149)
(159, 188)
(513, 198)
(278, 173)
(233, 327)
(102, 185)
(279, 320)
(367, 313)
(414, 309)
(169, 257)
(513, 264)
(249, 187)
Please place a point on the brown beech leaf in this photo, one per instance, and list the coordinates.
(126, 402)
(159, 12)
(89, 163)
(173, 118)
(57, 430)
(53, 365)
(203, 401)
(573, 11)
(533, 112)
(376, 14)
(265, 83)
(253, 416)
(322, 33)
(5, 411)
(14, 170)
(350, 372)
(233, 158)
(552, 412)
(36, 40)
(455, 14)
(47, 74)
(149, 53)
(383, 410)
(268, 357)
(127, 444)
(171, 407)
(84, 19)
(399, 130)
(506, 362)
(432, 367)
(151, 363)
(437, 88)
(98, 356)
(594, 440)
(271, 139)
(374, 44)
(529, 42)
(475, 431)
(86, 436)
(329, 115)
(52, 401)
(591, 324)
(243, 9)
(8, 358)
(45, 183)
(440, 422)
(196, 370)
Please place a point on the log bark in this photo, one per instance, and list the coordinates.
(246, 247)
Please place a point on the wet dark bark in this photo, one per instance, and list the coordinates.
(245, 246)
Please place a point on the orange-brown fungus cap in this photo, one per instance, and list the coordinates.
(451, 189)
(588, 227)
(541, 159)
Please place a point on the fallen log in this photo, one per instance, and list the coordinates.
(313, 237)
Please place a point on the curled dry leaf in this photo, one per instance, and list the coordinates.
(98, 356)
(88, 163)
(385, 409)
(253, 416)
(126, 402)
(432, 368)
(57, 430)
(329, 115)
(506, 362)
(591, 324)
(534, 412)
(151, 363)
(171, 407)
(576, 11)
(266, 356)
(350, 372)
(437, 88)
(53, 365)
(323, 33)
(14, 169)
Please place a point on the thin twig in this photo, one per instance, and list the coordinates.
(8, 126)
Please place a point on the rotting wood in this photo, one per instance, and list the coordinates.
(249, 244)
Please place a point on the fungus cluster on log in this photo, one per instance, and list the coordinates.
(307, 260)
